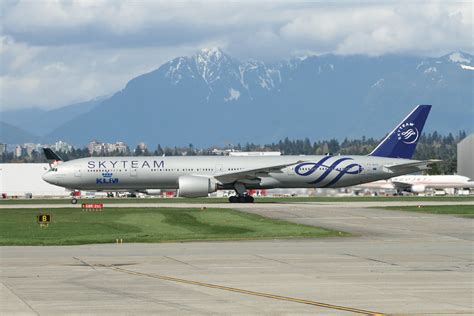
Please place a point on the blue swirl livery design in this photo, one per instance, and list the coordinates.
(107, 179)
(329, 169)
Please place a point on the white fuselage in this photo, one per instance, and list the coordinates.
(155, 172)
(420, 183)
(435, 181)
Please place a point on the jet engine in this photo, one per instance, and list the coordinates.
(418, 188)
(194, 186)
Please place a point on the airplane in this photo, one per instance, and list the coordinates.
(197, 176)
(420, 183)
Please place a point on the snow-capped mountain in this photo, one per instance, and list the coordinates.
(463, 60)
(214, 98)
(226, 78)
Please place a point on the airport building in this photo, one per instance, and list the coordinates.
(24, 180)
(466, 157)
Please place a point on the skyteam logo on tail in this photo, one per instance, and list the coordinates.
(401, 142)
(408, 133)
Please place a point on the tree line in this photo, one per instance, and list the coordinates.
(430, 146)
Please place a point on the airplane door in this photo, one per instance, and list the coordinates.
(133, 172)
(77, 171)
(219, 169)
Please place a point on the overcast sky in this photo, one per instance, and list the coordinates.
(55, 52)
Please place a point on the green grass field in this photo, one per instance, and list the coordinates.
(257, 200)
(461, 210)
(74, 226)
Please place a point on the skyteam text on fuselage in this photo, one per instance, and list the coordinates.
(197, 176)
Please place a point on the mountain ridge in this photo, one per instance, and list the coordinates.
(41, 122)
(212, 98)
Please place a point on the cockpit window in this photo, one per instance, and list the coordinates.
(54, 169)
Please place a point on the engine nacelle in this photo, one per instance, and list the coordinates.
(194, 186)
(418, 188)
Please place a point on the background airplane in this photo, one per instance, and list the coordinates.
(419, 183)
(198, 176)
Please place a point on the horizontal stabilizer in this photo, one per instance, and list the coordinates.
(411, 166)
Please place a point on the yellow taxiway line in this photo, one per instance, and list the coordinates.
(231, 289)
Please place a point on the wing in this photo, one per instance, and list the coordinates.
(401, 185)
(411, 166)
(251, 174)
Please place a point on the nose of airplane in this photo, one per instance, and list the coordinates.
(48, 177)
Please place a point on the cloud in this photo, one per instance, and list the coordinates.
(122, 23)
(416, 28)
(48, 78)
(76, 50)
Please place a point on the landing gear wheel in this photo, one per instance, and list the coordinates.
(242, 199)
(73, 201)
(233, 199)
(248, 199)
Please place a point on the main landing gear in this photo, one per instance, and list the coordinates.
(242, 196)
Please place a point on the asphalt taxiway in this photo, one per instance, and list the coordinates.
(395, 263)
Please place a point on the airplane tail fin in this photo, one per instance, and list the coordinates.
(52, 157)
(401, 142)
